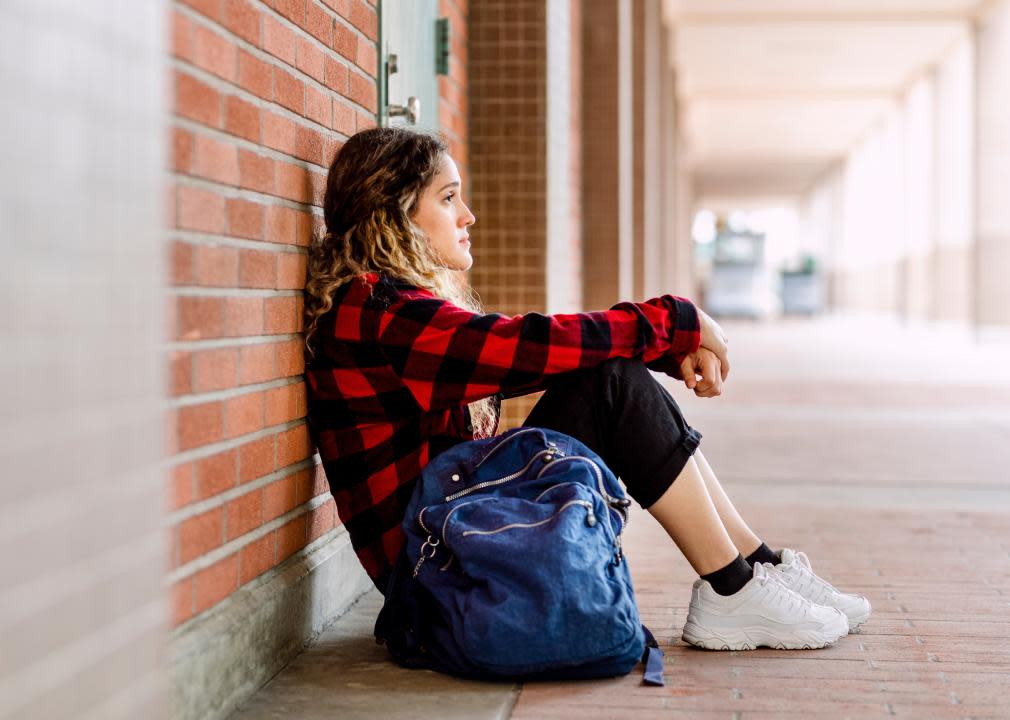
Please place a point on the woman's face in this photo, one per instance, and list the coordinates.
(444, 218)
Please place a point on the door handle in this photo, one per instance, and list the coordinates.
(412, 110)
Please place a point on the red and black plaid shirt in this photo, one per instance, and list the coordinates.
(395, 366)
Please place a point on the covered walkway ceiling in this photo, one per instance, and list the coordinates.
(773, 92)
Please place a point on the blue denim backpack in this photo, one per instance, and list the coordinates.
(513, 566)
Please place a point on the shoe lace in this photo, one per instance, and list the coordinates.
(782, 594)
(808, 580)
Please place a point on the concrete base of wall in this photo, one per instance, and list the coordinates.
(219, 659)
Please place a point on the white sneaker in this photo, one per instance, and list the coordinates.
(794, 572)
(764, 612)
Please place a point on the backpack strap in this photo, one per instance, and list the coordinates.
(653, 659)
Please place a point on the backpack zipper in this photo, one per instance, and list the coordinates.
(590, 519)
(499, 481)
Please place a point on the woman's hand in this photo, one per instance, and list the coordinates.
(714, 340)
(705, 363)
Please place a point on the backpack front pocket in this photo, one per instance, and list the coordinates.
(534, 571)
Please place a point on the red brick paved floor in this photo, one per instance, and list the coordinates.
(889, 464)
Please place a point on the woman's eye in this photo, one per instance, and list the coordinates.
(448, 197)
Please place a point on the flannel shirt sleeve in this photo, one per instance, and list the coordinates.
(446, 355)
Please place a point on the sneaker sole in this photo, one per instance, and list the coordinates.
(755, 637)
(857, 622)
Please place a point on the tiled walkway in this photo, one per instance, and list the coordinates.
(886, 459)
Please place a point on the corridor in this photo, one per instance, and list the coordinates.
(881, 451)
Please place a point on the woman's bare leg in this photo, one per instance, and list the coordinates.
(742, 536)
(690, 517)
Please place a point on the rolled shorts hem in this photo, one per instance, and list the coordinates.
(648, 492)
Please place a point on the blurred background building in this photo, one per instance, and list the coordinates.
(163, 170)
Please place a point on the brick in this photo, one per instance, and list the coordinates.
(364, 17)
(309, 144)
(319, 23)
(242, 118)
(180, 373)
(243, 316)
(243, 19)
(216, 473)
(208, 8)
(320, 521)
(318, 106)
(181, 601)
(280, 225)
(305, 224)
(364, 121)
(256, 172)
(362, 90)
(340, 7)
(199, 317)
(291, 538)
(245, 218)
(293, 10)
(289, 91)
(243, 414)
(345, 41)
(215, 369)
(279, 133)
(257, 557)
(255, 75)
(331, 146)
(256, 363)
(304, 486)
(367, 58)
(256, 459)
(280, 316)
(317, 187)
(316, 483)
(169, 207)
(200, 534)
(182, 150)
(197, 100)
(243, 514)
(182, 492)
(216, 582)
(200, 210)
(279, 40)
(293, 183)
(310, 59)
(257, 269)
(215, 266)
(335, 75)
(293, 446)
(181, 37)
(343, 117)
(170, 426)
(180, 263)
(279, 497)
(291, 271)
(281, 405)
(290, 358)
(213, 53)
(200, 424)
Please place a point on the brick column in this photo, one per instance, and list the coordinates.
(525, 182)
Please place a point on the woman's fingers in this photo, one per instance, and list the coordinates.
(711, 382)
(687, 371)
(714, 339)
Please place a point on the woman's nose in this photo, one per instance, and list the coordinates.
(468, 217)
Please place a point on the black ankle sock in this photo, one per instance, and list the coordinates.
(764, 554)
(731, 578)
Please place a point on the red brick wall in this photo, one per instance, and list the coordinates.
(452, 104)
(263, 93)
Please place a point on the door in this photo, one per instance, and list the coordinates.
(407, 68)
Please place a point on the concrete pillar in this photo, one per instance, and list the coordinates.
(992, 170)
(607, 153)
(953, 194)
(917, 181)
(82, 412)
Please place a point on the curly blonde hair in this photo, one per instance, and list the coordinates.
(372, 191)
